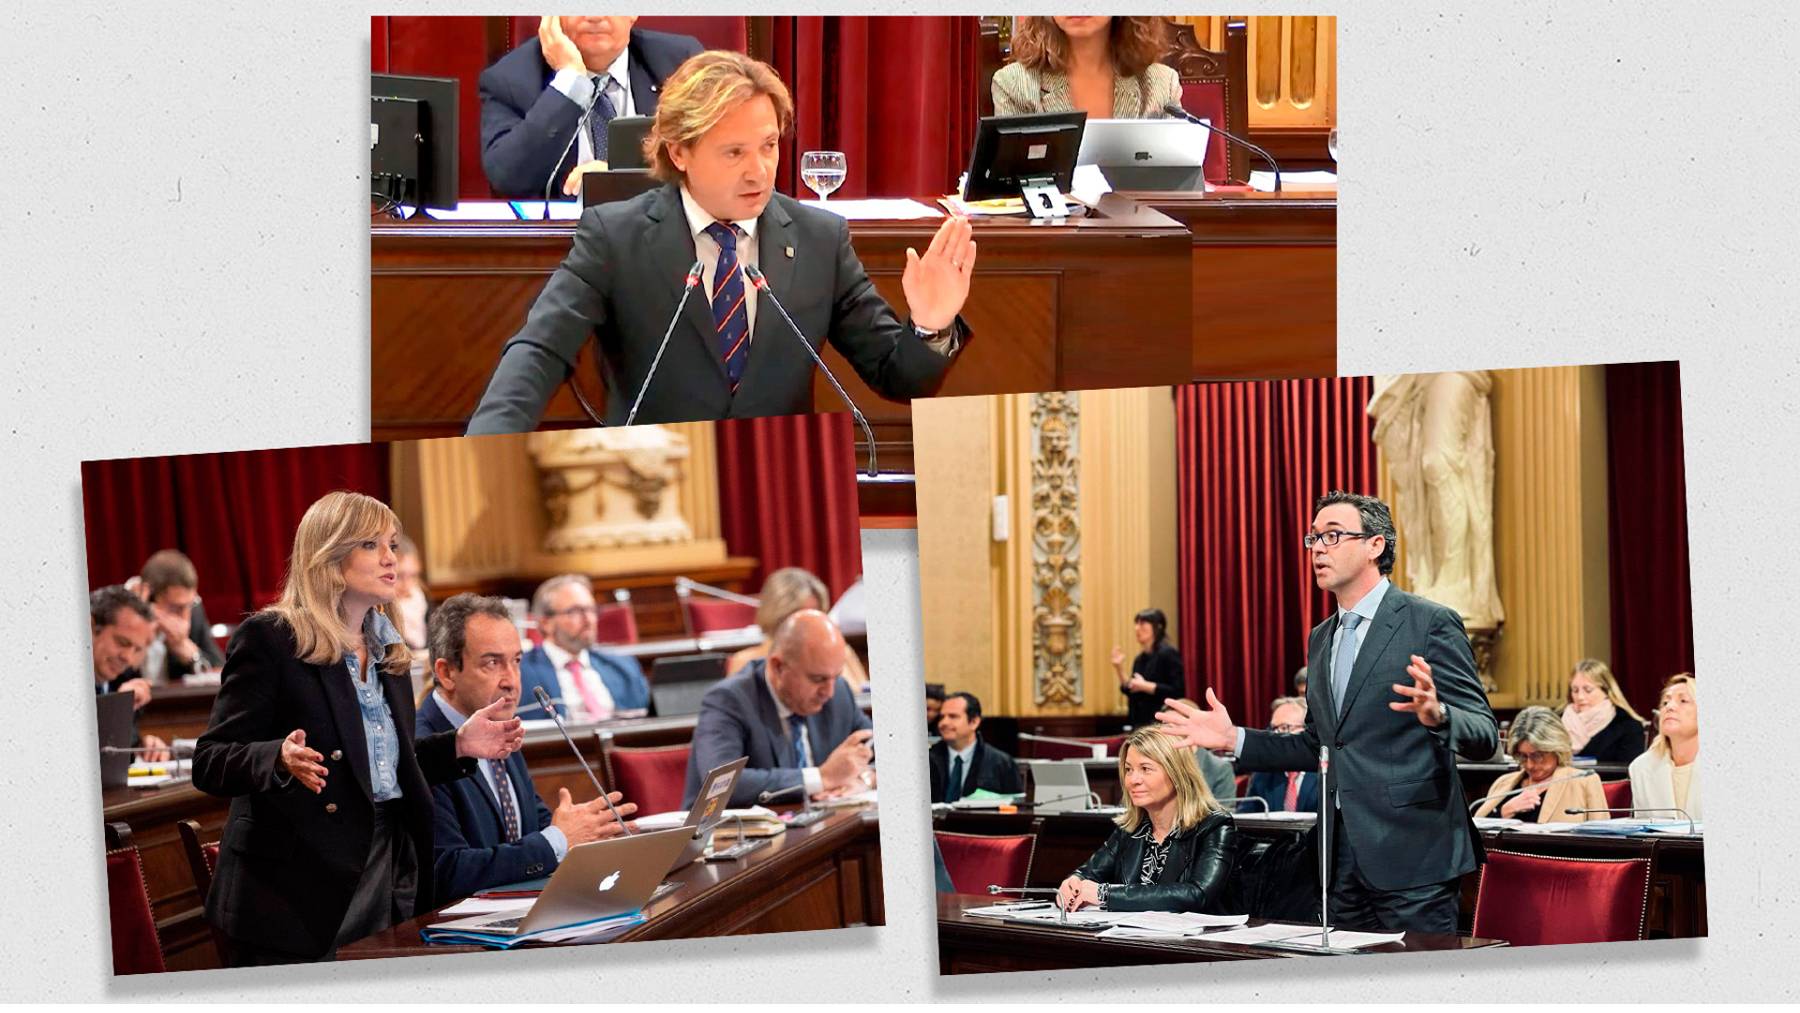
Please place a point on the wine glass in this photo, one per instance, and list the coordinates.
(1331, 144)
(822, 171)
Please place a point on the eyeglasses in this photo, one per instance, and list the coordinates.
(1533, 758)
(578, 610)
(1288, 729)
(1331, 538)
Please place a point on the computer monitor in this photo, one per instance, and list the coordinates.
(1147, 154)
(678, 683)
(625, 141)
(1012, 152)
(412, 140)
(113, 711)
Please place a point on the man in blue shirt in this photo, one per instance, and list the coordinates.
(493, 829)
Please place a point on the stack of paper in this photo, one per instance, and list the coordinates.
(1265, 181)
(1304, 935)
(1168, 924)
(464, 931)
(876, 209)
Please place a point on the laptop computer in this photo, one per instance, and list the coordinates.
(678, 683)
(113, 712)
(708, 810)
(1147, 154)
(1059, 786)
(601, 879)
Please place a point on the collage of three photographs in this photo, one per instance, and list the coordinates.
(1226, 656)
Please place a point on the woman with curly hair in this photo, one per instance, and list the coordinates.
(1104, 66)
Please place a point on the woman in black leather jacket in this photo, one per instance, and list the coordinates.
(1175, 846)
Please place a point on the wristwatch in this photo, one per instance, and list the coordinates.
(927, 333)
(1103, 890)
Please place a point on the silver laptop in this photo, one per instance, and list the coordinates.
(1167, 154)
(1059, 786)
(597, 880)
(708, 810)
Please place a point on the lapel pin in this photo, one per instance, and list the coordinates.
(789, 251)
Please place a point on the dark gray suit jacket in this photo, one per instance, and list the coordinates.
(1404, 811)
(738, 718)
(621, 282)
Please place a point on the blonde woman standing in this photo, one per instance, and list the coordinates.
(329, 834)
(1541, 745)
(1174, 847)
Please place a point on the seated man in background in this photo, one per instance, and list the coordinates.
(123, 626)
(716, 145)
(493, 829)
(184, 643)
(792, 714)
(533, 98)
(587, 683)
(934, 707)
(1287, 791)
(961, 762)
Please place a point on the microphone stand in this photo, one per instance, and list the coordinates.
(807, 815)
(1175, 109)
(1062, 914)
(543, 699)
(1683, 813)
(743, 846)
(1324, 943)
(687, 289)
(762, 285)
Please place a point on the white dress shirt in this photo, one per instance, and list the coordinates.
(579, 87)
(706, 251)
(572, 696)
(815, 782)
(491, 769)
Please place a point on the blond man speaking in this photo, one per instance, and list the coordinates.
(716, 144)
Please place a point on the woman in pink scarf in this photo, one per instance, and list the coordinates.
(1601, 723)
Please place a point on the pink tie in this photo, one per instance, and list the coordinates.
(1292, 800)
(595, 709)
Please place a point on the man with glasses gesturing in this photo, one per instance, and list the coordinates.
(1394, 695)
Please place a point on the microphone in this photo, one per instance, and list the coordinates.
(807, 815)
(1174, 109)
(1324, 844)
(761, 284)
(580, 128)
(687, 289)
(1250, 798)
(1527, 787)
(1062, 913)
(1091, 798)
(543, 700)
(1683, 813)
(537, 706)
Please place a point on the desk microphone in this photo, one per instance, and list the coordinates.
(580, 128)
(687, 288)
(761, 284)
(1174, 109)
(543, 700)
(1683, 813)
(1091, 799)
(1527, 787)
(807, 815)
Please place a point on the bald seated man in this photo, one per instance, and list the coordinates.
(792, 715)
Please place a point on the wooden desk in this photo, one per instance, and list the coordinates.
(973, 945)
(1098, 301)
(1264, 281)
(1677, 862)
(825, 876)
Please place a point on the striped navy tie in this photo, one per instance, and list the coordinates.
(730, 316)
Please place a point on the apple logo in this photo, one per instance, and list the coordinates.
(607, 883)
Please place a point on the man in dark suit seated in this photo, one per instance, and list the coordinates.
(732, 353)
(1394, 694)
(493, 829)
(586, 682)
(792, 715)
(184, 643)
(123, 626)
(960, 761)
(533, 98)
(1287, 791)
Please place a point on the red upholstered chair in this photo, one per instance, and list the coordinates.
(203, 862)
(135, 946)
(1535, 900)
(976, 862)
(1618, 794)
(705, 615)
(616, 624)
(652, 778)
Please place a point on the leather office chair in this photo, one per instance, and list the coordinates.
(652, 778)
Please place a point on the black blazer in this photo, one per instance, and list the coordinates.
(1195, 877)
(621, 282)
(989, 768)
(1621, 741)
(526, 124)
(1163, 667)
(1402, 800)
(290, 860)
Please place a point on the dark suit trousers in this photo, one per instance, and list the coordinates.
(1357, 905)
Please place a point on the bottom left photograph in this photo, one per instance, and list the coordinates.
(559, 688)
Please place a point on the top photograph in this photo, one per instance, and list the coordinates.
(618, 220)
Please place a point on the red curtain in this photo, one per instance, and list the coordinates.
(787, 495)
(233, 514)
(1647, 530)
(1251, 460)
(896, 95)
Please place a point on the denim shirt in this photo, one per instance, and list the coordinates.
(377, 719)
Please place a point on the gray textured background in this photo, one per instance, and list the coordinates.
(185, 269)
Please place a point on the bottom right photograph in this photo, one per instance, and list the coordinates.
(1275, 669)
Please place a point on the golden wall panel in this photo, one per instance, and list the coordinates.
(1292, 66)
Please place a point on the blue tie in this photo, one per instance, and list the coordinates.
(602, 115)
(1345, 659)
(795, 723)
(953, 790)
(730, 316)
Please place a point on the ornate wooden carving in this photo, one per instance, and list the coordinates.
(1056, 548)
